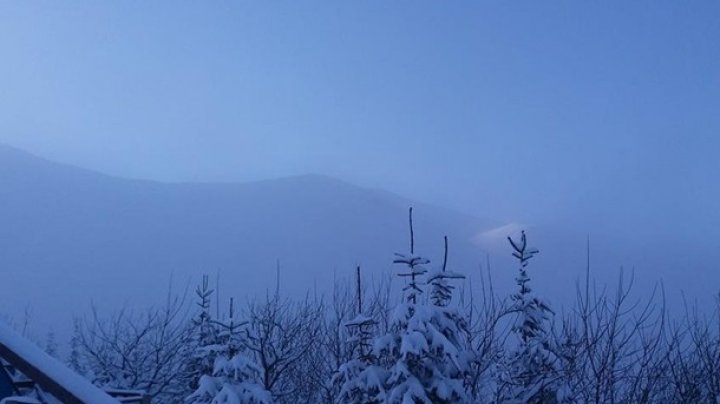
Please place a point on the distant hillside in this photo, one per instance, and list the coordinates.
(69, 235)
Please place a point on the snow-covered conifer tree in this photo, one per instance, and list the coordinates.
(452, 325)
(441, 292)
(423, 353)
(360, 379)
(203, 337)
(532, 376)
(235, 377)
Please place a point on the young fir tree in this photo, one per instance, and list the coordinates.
(360, 379)
(425, 359)
(51, 345)
(75, 357)
(441, 292)
(454, 328)
(531, 365)
(234, 377)
(204, 338)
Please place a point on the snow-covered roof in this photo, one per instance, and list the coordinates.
(51, 375)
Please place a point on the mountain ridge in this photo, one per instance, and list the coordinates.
(69, 235)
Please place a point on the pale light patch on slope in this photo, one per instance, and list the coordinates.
(495, 240)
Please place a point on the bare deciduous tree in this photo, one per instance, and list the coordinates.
(136, 351)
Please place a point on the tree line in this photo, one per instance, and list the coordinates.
(431, 342)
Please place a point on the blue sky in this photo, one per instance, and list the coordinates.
(600, 114)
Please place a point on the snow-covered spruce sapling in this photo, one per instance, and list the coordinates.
(452, 325)
(204, 337)
(415, 268)
(424, 361)
(441, 289)
(360, 379)
(532, 375)
(235, 377)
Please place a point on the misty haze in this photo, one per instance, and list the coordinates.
(370, 202)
